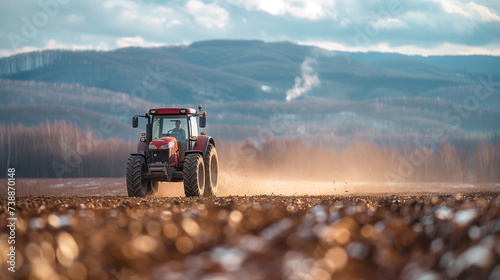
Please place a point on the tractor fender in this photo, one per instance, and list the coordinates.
(201, 144)
(144, 156)
(140, 154)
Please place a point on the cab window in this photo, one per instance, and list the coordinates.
(173, 126)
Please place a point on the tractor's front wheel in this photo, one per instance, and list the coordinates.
(137, 186)
(211, 171)
(194, 175)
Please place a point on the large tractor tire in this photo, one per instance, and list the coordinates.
(194, 175)
(137, 186)
(211, 171)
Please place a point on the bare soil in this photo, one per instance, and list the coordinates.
(89, 229)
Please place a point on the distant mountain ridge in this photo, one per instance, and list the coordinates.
(245, 81)
(220, 71)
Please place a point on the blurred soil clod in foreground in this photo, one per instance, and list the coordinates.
(257, 237)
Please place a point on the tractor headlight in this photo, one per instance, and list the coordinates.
(143, 139)
(152, 147)
(166, 146)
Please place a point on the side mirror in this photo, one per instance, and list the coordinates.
(203, 121)
(135, 121)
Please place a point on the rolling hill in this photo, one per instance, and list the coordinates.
(220, 71)
(244, 85)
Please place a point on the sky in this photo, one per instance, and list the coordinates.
(423, 27)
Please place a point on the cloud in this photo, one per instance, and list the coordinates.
(306, 83)
(305, 9)
(483, 12)
(137, 41)
(389, 23)
(469, 10)
(265, 88)
(452, 7)
(430, 26)
(207, 15)
(24, 49)
(441, 49)
(123, 4)
(75, 18)
(166, 16)
(54, 45)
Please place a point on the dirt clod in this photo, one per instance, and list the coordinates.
(256, 237)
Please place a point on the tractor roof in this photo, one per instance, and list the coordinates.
(172, 111)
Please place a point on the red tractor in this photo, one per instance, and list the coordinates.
(173, 150)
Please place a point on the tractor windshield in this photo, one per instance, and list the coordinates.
(170, 125)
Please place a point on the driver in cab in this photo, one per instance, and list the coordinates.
(178, 132)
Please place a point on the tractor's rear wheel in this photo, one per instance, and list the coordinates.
(194, 175)
(211, 171)
(137, 186)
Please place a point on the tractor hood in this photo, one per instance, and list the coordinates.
(163, 143)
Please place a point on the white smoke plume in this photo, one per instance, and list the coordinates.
(306, 83)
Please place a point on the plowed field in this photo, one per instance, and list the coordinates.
(89, 229)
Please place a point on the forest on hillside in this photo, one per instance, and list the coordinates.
(63, 150)
(232, 71)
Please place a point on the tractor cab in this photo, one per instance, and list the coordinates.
(173, 149)
(179, 127)
(172, 134)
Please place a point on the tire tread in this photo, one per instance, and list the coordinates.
(190, 171)
(134, 176)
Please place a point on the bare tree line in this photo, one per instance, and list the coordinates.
(61, 150)
(466, 161)
(65, 150)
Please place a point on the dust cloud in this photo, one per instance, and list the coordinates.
(291, 167)
(249, 186)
